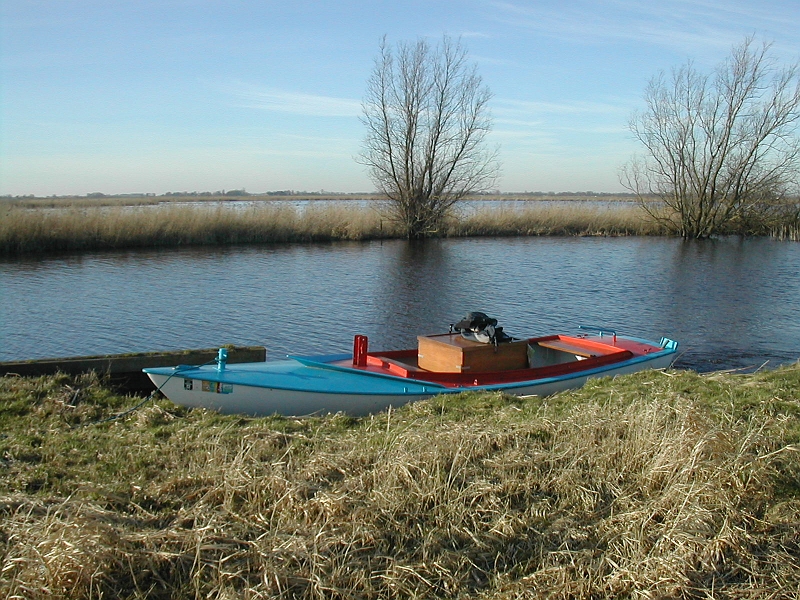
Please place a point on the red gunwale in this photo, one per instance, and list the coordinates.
(403, 363)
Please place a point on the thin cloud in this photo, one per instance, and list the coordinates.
(511, 109)
(488, 60)
(474, 34)
(297, 103)
(530, 124)
(678, 24)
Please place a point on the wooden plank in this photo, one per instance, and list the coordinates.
(126, 369)
(127, 363)
(566, 347)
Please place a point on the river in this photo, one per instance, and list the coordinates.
(731, 303)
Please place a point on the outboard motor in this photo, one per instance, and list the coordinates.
(480, 327)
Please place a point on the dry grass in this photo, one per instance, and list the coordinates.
(40, 225)
(25, 231)
(579, 218)
(659, 485)
(76, 227)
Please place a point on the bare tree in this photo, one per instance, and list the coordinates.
(426, 115)
(721, 150)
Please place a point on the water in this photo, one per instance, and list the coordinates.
(731, 303)
(465, 207)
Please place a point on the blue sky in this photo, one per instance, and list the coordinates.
(124, 96)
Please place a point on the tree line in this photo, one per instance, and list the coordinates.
(721, 151)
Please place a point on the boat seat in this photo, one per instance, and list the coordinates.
(395, 367)
(563, 346)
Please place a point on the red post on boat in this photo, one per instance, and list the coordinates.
(360, 343)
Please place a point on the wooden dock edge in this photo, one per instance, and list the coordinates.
(125, 370)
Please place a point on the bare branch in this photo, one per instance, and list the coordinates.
(719, 149)
(426, 117)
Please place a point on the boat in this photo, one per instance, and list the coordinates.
(365, 382)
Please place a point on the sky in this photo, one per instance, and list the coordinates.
(156, 96)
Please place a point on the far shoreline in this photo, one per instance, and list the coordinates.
(42, 226)
(97, 199)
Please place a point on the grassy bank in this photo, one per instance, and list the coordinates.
(26, 231)
(659, 485)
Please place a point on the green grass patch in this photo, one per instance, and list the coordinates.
(659, 484)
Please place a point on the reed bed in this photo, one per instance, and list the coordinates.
(789, 229)
(656, 485)
(41, 225)
(578, 218)
(26, 230)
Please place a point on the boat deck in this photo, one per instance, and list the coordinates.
(549, 356)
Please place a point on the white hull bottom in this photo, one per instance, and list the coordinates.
(257, 400)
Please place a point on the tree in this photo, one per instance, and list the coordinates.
(426, 115)
(722, 150)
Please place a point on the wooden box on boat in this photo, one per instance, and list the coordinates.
(451, 353)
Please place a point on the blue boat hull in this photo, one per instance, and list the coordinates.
(315, 385)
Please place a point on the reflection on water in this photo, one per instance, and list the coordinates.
(738, 300)
(731, 303)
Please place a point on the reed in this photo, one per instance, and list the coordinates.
(654, 485)
(789, 226)
(24, 231)
(27, 229)
(578, 218)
